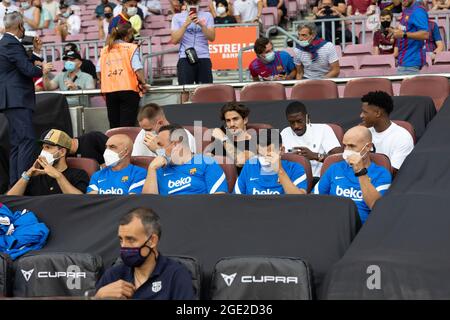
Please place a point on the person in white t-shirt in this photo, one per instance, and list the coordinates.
(6, 7)
(387, 137)
(247, 11)
(313, 141)
(68, 22)
(151, 118)
(52, 6)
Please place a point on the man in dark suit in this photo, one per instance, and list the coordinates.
(17, 97)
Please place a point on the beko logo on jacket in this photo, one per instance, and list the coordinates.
(112, 190)
(179, 183)
(258, 279)
(349, 193)
(267, 191)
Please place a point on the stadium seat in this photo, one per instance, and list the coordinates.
(230, 171)
(370, 72)
(377, 61)
(378, 158)
(132, 132)
(436, 87)
(408, 126)
(87, 164)
(97, 101)
(203, 142)
(269, 17)
(315, 90)
(263, 91)
(358, 87)
(348, 63)
(442, 58)
(305, 164)
(261, 278)
(214, 93)
(338, 131)
(142, 161)
(357, 49)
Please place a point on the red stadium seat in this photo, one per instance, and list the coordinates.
(200, 142)
(358, 87)
(87, 164)
(214, 93)
(338, 131)
(315, 89)
(304, 163)
(436, 87)
(357, 49)
(348, 63)
(377, 61)
(442, 58)
(263, 91)
(230, 172)
(141, 161)
(408, 126)
(378, 158)
(132, 132)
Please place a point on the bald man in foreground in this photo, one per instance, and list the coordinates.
(356, 177)
(119, 176)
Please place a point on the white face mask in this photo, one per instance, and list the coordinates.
(263, 161)
(132, 11)
(48, 156)
(348, 153)
(112, 158)
(221, 10)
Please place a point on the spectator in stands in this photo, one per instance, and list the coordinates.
(68, 22)
(434, 44)
(270, 64)
(383, 41)
(6, 6)
(313, 141)
(315, 58)
(267, 173)
(214, 4)
(192, 29)
(394, 6)
(360, 7)
(119, 176)
(31, 16)
(86, 65)
(440, 5)
(127, 12)
(411, 33)
(223, 13)
(279, 4)
(122, 79)
(45, 21)
(177, 171)
(145, 273)
(248, 11)
(151, 118)
(176, 6)
(71, 79)
(339, 6)
(329, 10)
(387, 137)
(103, 23)
(100, 9)
(52, 6)
(236, 143)
(151, 7)
(50, 173)
(356, 177)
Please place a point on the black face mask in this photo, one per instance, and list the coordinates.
(385, 24)
(108, 15)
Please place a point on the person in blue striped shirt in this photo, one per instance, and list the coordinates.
(176, 170)
(356, 177)
(267, 173)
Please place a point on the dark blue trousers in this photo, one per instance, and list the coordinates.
(22, 139)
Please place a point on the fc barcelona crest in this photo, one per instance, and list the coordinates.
(156, 286)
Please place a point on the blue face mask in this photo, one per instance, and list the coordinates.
(270, 56)
(69, 66)
(132, 257)
(66, 14)
(25, 5)
(162, 152)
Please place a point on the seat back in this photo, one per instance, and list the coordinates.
(261, 278)
(45, 274)
(192, 265)
(90, 166)
(436, 87)
(358, 87)
(338, 131)
(142, 161)
(315, 89)
(304, 163)
(230, 172)
(214, 93)
(263, 91)
(258, 126)
(378, 158)
(408, 126)
(132, 132)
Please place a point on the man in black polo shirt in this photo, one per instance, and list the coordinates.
(90, 145)
(49, 173)
(145, 273)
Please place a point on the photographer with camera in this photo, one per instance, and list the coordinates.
(327, 9)
(192, 29)
(383, 41)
